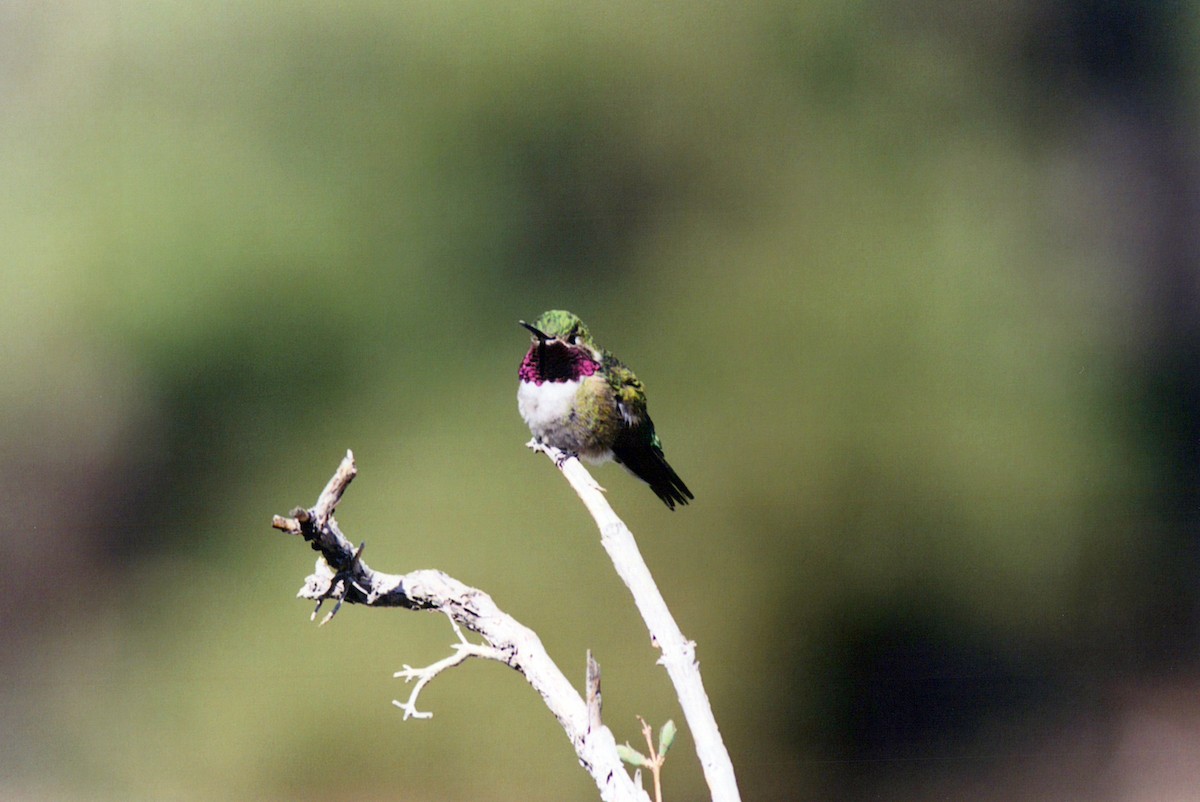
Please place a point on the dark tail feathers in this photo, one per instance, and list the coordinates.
(648, 464)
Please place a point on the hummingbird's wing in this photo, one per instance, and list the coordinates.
(628, 391)
(637, 446)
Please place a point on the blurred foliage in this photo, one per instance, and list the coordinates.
(910, 285)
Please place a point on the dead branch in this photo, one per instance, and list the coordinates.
(343, 576)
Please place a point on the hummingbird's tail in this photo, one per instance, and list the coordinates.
(647, 462)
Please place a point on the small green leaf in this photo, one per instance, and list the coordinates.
(630, 755)
(666, 737)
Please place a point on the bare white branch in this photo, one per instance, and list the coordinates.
(678, 653)
(423, 676)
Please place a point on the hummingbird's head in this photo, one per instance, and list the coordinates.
(559, 324)
(562, 348)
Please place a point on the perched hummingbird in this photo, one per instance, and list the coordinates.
(581, 399)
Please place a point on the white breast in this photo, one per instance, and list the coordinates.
(545, 406)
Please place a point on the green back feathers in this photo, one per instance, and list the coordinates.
(629, 392)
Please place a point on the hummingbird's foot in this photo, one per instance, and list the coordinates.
(559, 456)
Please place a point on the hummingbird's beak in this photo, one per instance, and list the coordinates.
(542, 337)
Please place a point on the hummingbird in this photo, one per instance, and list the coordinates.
(584, 401)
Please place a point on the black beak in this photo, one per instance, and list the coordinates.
(542, 337)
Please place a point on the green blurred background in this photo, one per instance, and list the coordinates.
(912, 285)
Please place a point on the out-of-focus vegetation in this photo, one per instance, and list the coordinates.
(912, 285)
